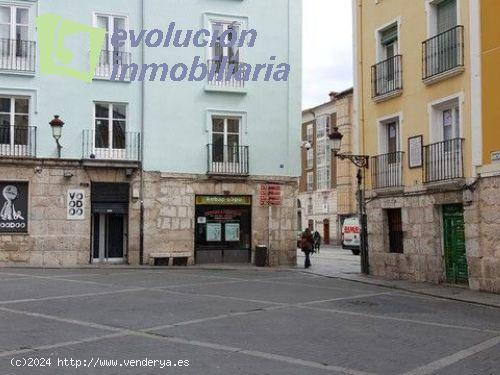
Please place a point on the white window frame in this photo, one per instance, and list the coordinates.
(382, 122)
(17, 149)
(13, 19)
(226, 133)
(310, 158)
(110, 152)
(310, 181)
(310, 133)
(379, 50)
(431, 12)
(435, 110)
(323, 153)
(209, 19)
(105, 70)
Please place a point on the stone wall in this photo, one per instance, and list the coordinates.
(170, 213)
(52, 240)
(482, 218)
(422, 259)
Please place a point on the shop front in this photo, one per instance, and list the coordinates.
(223, 229)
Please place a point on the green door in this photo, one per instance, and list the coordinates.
(454, 244)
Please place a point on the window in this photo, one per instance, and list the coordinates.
(310, 133)
(14, 121)
(395, 226)
(446, 15)
(111, 55)
(310, 206)
(445, 120)
(310, 158)
(220, 50)
(14, 23)
(226, 139)
(110, 128)
(326, 206)
(323, 153)
(310, 181)
(389, 42)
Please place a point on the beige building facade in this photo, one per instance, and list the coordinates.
(327, 187)
(418, 107)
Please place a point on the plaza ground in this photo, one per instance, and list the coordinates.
(244, 321)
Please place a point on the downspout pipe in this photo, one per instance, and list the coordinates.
(141, 194)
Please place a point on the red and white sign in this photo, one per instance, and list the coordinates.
(270, 195)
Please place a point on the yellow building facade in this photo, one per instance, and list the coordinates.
(425, 106)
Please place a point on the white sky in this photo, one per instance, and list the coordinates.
(327, 49)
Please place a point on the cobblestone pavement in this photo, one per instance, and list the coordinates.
(234, 322)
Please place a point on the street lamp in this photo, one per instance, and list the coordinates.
(361, 162)
(57, 124)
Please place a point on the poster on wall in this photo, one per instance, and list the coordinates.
(214, 232)
(75, 204)
(13, 207)
(232, 232)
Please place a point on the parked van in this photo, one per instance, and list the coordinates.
(351, 231)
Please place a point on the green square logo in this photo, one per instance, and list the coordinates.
(55, 59)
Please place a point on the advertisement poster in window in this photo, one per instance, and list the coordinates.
(232, 232)
(214, 232)
(13, 207)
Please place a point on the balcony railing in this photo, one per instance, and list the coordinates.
(387, 170)
(108, 60)
(17, 141)
(444, 160)
(17, 55)
(443, 52)
(121, 147)
(387, 76)
(225, 81)
(227, 160)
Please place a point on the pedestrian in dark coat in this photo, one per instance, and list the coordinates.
(307, 246)
(317, 241)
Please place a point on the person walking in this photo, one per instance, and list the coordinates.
(317, 241)
(307, 246)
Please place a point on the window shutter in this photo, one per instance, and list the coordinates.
(389, 35)
(333, 121)
(446, 15)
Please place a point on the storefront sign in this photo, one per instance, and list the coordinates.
(75, 205)
(13, 207)
(220, 200)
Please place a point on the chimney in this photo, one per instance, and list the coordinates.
(333, 95)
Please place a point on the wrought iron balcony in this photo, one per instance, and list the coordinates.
(121, 146)
(228, 78)
(443, 53)
(227, 160)
(108, 60)
(444, 160)
(387, 170)
(387, 76)
(17, 55)
(18, 141)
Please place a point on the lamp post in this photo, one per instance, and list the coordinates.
(362, 163)
(57, 124)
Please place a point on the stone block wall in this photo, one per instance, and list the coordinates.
(170, 213)
(52, 240)
(422, 259)
(482, 219)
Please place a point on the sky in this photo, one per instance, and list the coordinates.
(327, 49)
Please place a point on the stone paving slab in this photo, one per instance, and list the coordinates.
(354, 342)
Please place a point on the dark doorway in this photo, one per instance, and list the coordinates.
(326, 232)
(223, 229)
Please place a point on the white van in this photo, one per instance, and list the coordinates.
(351, 231)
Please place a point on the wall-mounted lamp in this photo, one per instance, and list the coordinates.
(57, 124)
